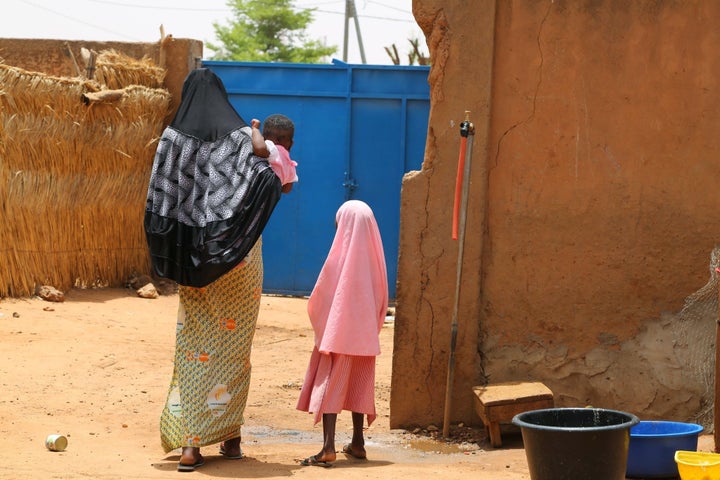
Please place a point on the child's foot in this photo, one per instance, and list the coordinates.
(322, 459)
(355, 452)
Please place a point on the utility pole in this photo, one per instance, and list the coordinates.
(350, 11)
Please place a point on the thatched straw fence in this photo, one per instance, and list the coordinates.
(116, 70)
(74, 169)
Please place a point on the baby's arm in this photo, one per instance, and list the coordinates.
(258, 141)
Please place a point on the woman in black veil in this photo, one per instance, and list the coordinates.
(208, 201)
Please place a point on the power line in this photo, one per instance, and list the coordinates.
(388, 6)
(226, 10)
(67, 14)
(323, 3)
(372, 17)
(391, 7)
(158, 7)
(76, 20)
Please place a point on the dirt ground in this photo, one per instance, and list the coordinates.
(96, 367)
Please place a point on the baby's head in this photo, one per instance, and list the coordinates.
(279, 129)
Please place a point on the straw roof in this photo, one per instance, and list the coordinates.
(73, 177)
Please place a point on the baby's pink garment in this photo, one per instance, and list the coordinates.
(281, 163)
(348, 304)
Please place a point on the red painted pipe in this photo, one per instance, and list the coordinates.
(458, 187)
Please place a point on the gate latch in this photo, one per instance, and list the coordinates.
(349, 182)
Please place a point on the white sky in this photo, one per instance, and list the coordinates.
(382, 22)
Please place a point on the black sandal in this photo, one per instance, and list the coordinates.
(191, 468)
(313, 461)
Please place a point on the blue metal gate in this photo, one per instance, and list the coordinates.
(358, 130)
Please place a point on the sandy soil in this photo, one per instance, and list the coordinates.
(95, 368)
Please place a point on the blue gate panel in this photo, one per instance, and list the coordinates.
(390, 81)
(375, 153)
(418, 112)
(358, 130)
(307, 80)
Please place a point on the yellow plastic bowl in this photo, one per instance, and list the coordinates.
(698, 465)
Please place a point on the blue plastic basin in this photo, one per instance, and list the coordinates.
(653, 445)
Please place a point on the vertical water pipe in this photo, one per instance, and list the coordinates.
(716, 410)
(462, 183)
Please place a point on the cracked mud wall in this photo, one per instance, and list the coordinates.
(592, 213)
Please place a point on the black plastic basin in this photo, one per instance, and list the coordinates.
(576, 443)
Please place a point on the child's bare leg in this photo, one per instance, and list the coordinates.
(327, 454)
(356, 448)
(358, 440)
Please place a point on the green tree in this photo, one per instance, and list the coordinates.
(268, 31)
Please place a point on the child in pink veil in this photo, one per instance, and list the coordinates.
(347, 309)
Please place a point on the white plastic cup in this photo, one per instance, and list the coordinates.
(56, 443)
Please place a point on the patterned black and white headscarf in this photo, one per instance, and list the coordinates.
(209, 197)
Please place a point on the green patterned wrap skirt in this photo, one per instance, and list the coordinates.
(211, 375)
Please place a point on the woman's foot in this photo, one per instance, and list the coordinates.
(231, 449)
(190, 459)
